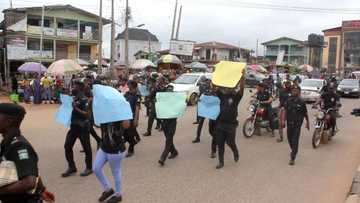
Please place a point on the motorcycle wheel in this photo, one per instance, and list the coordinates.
(248, 128)
(325, 137)
(316, 139)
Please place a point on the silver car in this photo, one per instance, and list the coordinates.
(311, 89)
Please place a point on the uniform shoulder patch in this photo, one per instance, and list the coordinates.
(23, 154)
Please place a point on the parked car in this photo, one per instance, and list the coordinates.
(349, 87)
(253, 79)
(311, 89)
(189, 83)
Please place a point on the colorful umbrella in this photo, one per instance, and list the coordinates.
(306, 68)
(82, 62)
(63, 67)
(142, 63)
(258, 68)
(169, 59)
(32, 67)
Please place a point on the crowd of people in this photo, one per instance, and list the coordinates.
(118, 139)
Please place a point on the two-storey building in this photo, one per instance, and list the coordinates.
(68, 33)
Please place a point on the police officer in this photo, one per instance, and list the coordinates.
(15, 147)
(265, 99)
(285, 93)
(226, 122)
(79, 129)
(294, 113)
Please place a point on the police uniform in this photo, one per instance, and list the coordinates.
(330, 100)
(296, 111)
(263, 97)
(131, 135)
(227, 123)
(79, 129)
(151, 106)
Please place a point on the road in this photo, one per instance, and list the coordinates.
(261, 175)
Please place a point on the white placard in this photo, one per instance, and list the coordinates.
(280, 57)
(183, 48)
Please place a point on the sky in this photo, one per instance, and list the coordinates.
(235, 22)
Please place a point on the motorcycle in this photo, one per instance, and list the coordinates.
(323, 132)
(258, 119)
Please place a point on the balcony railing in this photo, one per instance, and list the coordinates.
(36, 54)
(67, 33)
(37, 30)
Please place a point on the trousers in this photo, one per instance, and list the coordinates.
(201, 121)
(47, 94)
(152, 117)
(94, 134)
(212, 132)
(226, 134)
(130, 136)
(169, 128)
(293, 134)
(81, 133)
(115, 162)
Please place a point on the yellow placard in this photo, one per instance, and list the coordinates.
(228, 74)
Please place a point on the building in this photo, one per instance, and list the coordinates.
(212, 52)
(296, 52)
(140, 40)
(68, 33)
(342, 47)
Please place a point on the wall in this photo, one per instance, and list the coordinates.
(94, 52)
(222, 54)
(65, 14)
(72, 51)
(325, 57)
(134, 47)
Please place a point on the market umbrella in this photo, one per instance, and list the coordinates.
(82, 62)
(63, 67)
(142, 63)
(32, 67)
(197, 65)
(306, 68)
(169, 59)
(258, 68)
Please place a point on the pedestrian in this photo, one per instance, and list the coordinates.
(46, 83)
(14, 84)
(294, 113)
(285, 93)
(226, 122)
(16, 148)
(89, 95)
(131, 135)
(111, 150)
(36, 86)
(79, 129)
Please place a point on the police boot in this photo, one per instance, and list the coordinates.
(213, 155)
(173, 155)
(69, 172)
(220, 165)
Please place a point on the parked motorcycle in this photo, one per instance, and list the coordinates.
(258, 119)
(323, 132)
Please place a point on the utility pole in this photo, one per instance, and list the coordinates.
(11, 5)
(127, 13)
(100, 38)
(112, 45)
(178, 25)
(257, 49)
(42, 35)
(174, 21)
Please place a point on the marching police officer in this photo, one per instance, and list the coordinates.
(294, 113)
(15, 147)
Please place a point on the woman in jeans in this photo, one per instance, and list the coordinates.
(111, 150)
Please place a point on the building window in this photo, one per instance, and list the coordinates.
(352, 49)
(34, 44)
(85, 52)
(332, 53)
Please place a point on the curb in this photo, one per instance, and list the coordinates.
(354, 193)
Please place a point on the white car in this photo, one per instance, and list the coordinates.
(189, 83)
(311, 89)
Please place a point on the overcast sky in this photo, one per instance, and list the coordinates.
(217, 20)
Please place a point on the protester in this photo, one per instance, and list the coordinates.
(16, 148)
(111, 150)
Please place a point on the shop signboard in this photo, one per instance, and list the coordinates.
(182, 48)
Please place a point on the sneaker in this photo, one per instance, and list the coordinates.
(220, 166)
(129, 154)
(213, 156)
(236, 158)
(114, 199)
(147, 134)
(86, 172)
(69, 172)
(196, 141)
(173, 156)
(105, 195)
(161, 162)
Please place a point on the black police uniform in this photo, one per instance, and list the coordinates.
(284, 96)
(131, 135)
(79, 129)
(296, 111)
(262, 97)
(152, 111)
(15, 147)
(330, 100)
(227, 123)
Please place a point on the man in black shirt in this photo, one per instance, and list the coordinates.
(294, 113)
(79, 129)
(131, 135)
(150, 102)
(265, 99)
(15, 148)
(226, 122)
(285, 93)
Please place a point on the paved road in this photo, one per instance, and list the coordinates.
(262, 174)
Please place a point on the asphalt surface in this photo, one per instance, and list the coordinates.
(262, 175)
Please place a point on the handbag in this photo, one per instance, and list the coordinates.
(8, 172)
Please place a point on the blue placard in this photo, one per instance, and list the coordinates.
(109, 105)
(209, 107)
(144, 91)
(63, 115)
(170, 104)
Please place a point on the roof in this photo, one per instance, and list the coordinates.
(57, 7)
(284, 38)
(215, 45)
(138, 34)
(335, 29)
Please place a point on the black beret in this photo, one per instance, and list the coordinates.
(12, 110)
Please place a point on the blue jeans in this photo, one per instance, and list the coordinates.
(47, 94)
(115, 161)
